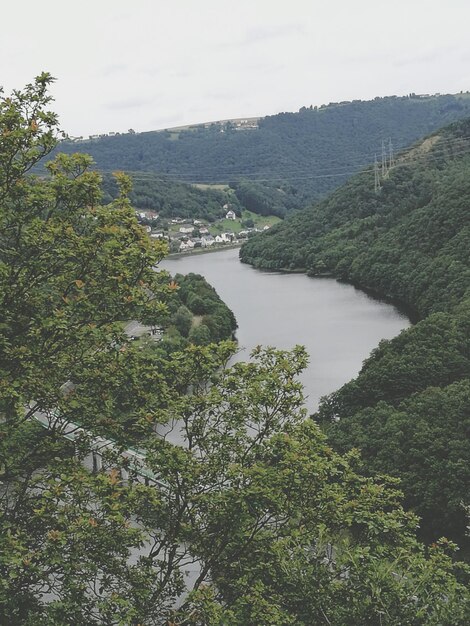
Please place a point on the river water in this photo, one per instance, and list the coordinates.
(337, 323)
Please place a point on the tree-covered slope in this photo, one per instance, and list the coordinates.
(146, 464)
(197, 315)
(409, 240)
(312, 151)
(408, 408)
(170, 198)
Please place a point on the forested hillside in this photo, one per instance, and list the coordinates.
(307, 154)
(170, 198)
(409, 408)
(157, 487)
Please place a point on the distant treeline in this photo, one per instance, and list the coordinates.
(409, 408)
(304, 155)
(172, 199)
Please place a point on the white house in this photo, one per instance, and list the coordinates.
(207, 241)
(224, 238)
(186, 245)
(230, 215)
(186, 229)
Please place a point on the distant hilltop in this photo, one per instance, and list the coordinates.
(250, 123)
(239, 123)
(304, 155)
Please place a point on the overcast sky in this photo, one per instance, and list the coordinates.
(150, 64)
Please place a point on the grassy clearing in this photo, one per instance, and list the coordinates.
(225, 226)
(261, 220)
(235, 226)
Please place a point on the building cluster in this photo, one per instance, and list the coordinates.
(185, 235)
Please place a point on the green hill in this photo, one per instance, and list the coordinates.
(170, 198)
(305, 155)
(144, 485)
(409, 408)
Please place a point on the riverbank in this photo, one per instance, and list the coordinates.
(406, 309)
(338, 324)
(196, 251)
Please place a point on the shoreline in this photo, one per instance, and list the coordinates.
(177, 255)
(403, 307)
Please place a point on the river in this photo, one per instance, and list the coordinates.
(337, 323)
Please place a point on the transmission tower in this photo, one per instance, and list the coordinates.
(376, 175)
(384, 159)
(391, 160)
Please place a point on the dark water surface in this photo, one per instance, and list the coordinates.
(338, 324)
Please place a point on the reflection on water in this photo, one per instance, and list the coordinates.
(338, 324)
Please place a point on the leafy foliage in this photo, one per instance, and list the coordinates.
(305, 154)
(197, 315)
(424, 441)
(266, 199)
(409, 242)
(170, 198)
(239, 486)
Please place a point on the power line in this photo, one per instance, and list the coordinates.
(300, 173)
(358, 162)
(344, 174)
(412, 155)
(384, 159)
(376, 175)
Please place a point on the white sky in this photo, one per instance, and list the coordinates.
(150, 64)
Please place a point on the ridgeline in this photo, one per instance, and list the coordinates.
(285, 160)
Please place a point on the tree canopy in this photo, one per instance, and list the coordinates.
(170, 198)
(408, 241)
(290, 159)
(217, 502)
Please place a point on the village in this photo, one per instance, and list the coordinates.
(186, 234)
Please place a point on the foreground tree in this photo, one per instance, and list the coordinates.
(207, 469)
